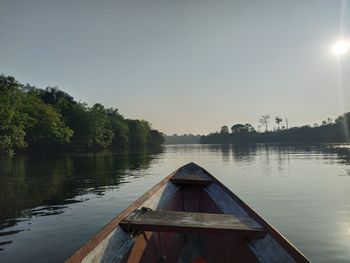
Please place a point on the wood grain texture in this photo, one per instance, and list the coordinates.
(191, 173)
(286, 249)
(189, 222)
(113, 244)
(190, 179)
(98, 247)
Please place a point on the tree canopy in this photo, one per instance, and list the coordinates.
(328, 131)
(49, 118)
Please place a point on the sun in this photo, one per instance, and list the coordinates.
(340, 47)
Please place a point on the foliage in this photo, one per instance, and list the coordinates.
(45, 127)
(51, 119)
(278, 121)
(224, 130)
(240, 128)
(119, 127)
(329, 131)
(138, 132)
(100, 134)
(155, 137)
(12, 120)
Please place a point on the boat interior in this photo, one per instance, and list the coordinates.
(191, 227)
(189, 217)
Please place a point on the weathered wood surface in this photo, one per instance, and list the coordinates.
(191, 174)
(110, 243)
(189, 222)
(190, 179)
(273, 247)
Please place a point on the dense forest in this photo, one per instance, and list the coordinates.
(327, 131)
(182, 139)
(50, 119)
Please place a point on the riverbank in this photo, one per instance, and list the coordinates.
(52, 120)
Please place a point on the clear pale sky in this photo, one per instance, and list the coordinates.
(185, 66)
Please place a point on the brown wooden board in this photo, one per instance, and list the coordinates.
(282, 241)
(189, 222)
(190, 179)
(101, 246)
(81, 254)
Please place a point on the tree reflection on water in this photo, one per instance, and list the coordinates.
(41, 185)
(38, 186)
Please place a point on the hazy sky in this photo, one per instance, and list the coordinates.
(185, 66)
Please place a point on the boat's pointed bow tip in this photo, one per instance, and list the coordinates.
(192, 166)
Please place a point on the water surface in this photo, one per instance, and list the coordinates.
(51, 205)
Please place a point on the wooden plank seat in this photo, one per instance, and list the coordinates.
(188, 222)
(191, 179)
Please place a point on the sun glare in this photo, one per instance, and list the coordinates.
(341, 47)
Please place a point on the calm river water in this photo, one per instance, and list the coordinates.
(51, 205)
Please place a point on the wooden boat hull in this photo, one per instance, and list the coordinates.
(190, 191)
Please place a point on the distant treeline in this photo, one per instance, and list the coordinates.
(50, 119)
(328, 131)
(182, 139)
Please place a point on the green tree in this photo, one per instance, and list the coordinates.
(249, 128)
(237, 128)
(100, 133)
(155, 138)
(53, 96)
(242, 128)
(224, 130)
(51, 118)
(12, 120)
(138, 132)
(119, 127)
(45, 126)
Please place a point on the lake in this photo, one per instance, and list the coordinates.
(52, 204)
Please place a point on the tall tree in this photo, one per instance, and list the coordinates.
(278, 121)
(264, 121)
